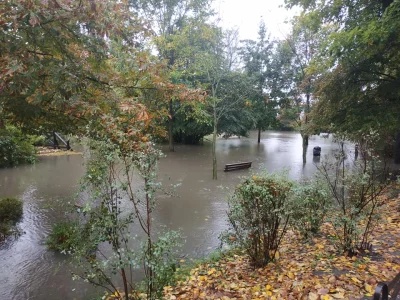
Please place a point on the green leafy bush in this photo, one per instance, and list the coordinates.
(62, 236)
(311, 202)
(15, 148)
(37, 140)
(5, 230)
(162, 260)
(258, 214)
(11, 210)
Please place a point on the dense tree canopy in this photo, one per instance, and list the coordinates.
(359, 85)
(63, 62)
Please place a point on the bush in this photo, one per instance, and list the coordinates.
(15, 148)
(11, 210)
(258, 215)
(356, 191)
(62, 236)
(311, 201)
(5, 230)
(38, 140)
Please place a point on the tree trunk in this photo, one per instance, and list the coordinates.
(305, 140)
(2, 124)
(55, 141)
(259, 134)
(214, 142)
(304, 153)
(170, 128)
(397, 150)
(307, 111)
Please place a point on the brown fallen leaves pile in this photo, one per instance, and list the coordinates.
(314, 270)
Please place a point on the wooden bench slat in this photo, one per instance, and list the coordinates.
(237, 166)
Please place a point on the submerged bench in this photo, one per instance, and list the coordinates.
(388, 291)
(237, 166)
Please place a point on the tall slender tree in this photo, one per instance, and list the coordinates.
(257, 58)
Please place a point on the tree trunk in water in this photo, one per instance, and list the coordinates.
(259, 134)
(2, 124)
(305, 140)
(214, 154)
(170, 128)
(308, 108)
(304, 153)
(397, 150)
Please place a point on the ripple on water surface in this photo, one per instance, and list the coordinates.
(29, 271)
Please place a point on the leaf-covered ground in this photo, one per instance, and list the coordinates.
(313, 270)
(44, 151)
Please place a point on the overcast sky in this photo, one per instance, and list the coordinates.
(247, 14)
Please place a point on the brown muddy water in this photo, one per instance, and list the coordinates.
(198, 208)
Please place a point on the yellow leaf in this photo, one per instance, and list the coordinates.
(268, 287)
(202, 278)
(326, 297)
(291, 275)
(369, 288)
(355, 280)
(256, 288)
(212, 271)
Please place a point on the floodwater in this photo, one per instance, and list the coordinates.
(198, 207)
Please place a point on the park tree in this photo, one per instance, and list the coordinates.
(257, 58)
(177, 28)
(283, 87)
(359, 89)
(78, 59)
(227, 89)
(86, 65)
(304, 43)
(54, 59)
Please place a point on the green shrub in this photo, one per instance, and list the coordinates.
(15, 148)
(11, 210)
(63, 236)
(258, 215)
(311, 201)
(163, 260)
(5, 230)
(355, 190)
(37, 140)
